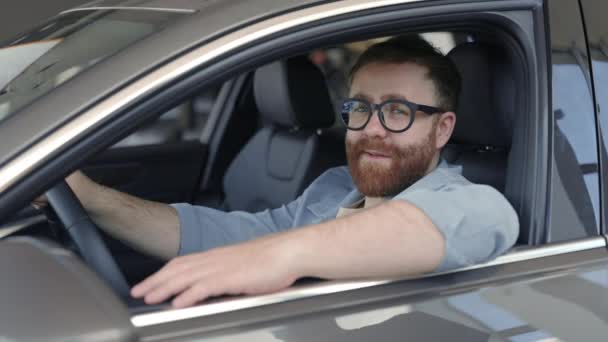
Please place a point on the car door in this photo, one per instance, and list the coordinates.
(555, 291)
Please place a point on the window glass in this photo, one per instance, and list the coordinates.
(597, 34)
(45, 58)
(184, 122)
(575, 201)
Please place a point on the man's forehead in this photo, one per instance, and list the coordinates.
(383, 81)
(390, 96)
(400, 67)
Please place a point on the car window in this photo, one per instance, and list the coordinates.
(45, 58)
(184, 122)
(575, 193)
(597, 33)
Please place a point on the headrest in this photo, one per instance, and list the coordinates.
(293, 93)
(487, 97)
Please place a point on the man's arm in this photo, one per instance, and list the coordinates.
(392, 239)
(148, 226)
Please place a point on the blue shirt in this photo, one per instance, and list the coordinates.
(477, 222)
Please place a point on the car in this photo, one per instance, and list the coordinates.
(171, 101)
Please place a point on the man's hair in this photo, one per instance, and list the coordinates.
(413, 49)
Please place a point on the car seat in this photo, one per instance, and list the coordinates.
(285, 155)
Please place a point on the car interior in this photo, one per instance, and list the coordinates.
(258, 140)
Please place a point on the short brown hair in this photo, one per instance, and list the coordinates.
(413, 49)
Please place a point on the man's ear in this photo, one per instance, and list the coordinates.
(444, 129)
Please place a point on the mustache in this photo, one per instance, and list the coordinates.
(366, 143)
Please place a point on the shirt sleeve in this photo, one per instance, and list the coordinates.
(203, 228)
(477, 222)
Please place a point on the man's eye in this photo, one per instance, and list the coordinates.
(396, 110)
(360, 109)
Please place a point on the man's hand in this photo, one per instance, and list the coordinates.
(78, 182)
(150, 227)
(255, 267)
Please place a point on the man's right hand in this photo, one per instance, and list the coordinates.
(151, 227)
(78, 182)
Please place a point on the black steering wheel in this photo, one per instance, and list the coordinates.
(86, 236)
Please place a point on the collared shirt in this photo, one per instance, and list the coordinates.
(477, 222)
(364, 203)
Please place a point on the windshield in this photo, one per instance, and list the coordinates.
(45, 58)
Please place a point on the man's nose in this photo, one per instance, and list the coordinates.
(374, 126)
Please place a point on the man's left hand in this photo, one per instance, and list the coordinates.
(255, 267)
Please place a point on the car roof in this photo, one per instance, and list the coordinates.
(204, 20)
(182, 4)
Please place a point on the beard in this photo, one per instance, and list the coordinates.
(407, 165)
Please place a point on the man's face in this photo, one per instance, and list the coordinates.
(383, 163)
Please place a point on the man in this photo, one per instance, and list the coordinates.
(396, 210)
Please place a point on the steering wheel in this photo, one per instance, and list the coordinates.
(86, 236)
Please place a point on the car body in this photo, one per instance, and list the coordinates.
(552, 286)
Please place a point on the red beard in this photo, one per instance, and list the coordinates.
(407, 165)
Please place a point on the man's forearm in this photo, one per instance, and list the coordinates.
(148, 226)
(392, 239)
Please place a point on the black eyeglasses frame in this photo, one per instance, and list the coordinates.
(375, 108)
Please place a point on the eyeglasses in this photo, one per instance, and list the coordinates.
(395, 115)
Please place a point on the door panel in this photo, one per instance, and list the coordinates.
(166, 173)
(164, 159)
(558, 298)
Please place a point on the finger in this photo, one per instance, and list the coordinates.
(163, 275)
(210, 285)
(199, 292)
(173, 287)
(40, 202)
(170, 270)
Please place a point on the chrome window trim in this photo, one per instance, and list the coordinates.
(126, 8)
(329, 287)
(37, 154)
